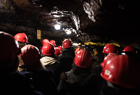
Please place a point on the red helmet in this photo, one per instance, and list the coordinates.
(109, 56)
(47, 49)
(57, 52)
(53, 42)
(60, 48)
(109, 48)
(83, 59)
(44, 41)
(21, 37)
(30, 54)
(129, 49)
(66, 43)
(9, 46)
(122, 70)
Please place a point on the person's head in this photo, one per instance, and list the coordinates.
(22, 39)
(83, 59)
(122, 71)
(9, 53)
(44, 41)
(30, 58)
(109, 48)
(66, 44)
(129, 50)
(60, 48)
(53, 42)
(108, 57)
(79, 45)
(47, 49)
(57, 52)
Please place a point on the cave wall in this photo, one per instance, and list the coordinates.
(100, 20)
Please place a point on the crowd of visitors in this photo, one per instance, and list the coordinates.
(60, 70)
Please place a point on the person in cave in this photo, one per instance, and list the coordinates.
(67, 55)
(131, 51)
(57, 52)
(122, 75)
(109, 51)
(50, 62)
(35, 71)
(79, 48)
(60, 48)
(12, 82)
(109, 48)
(80, 80)
(108, 57)
(53, 43)
(44, 41)
(22, 39)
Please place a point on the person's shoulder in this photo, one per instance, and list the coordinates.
(17, 75)
(12, 76)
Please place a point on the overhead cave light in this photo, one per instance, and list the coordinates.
(57, 26)
(63, 20)
(68, 32)
(123, 53)
(75, 44)
(57, 14)
(78, 35)
(83, 45)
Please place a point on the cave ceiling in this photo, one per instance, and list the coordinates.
(95, 20)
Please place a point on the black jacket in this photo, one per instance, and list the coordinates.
(42, 81)
(57, 70)
(84, 83)
(66, 59)
(16, 84)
